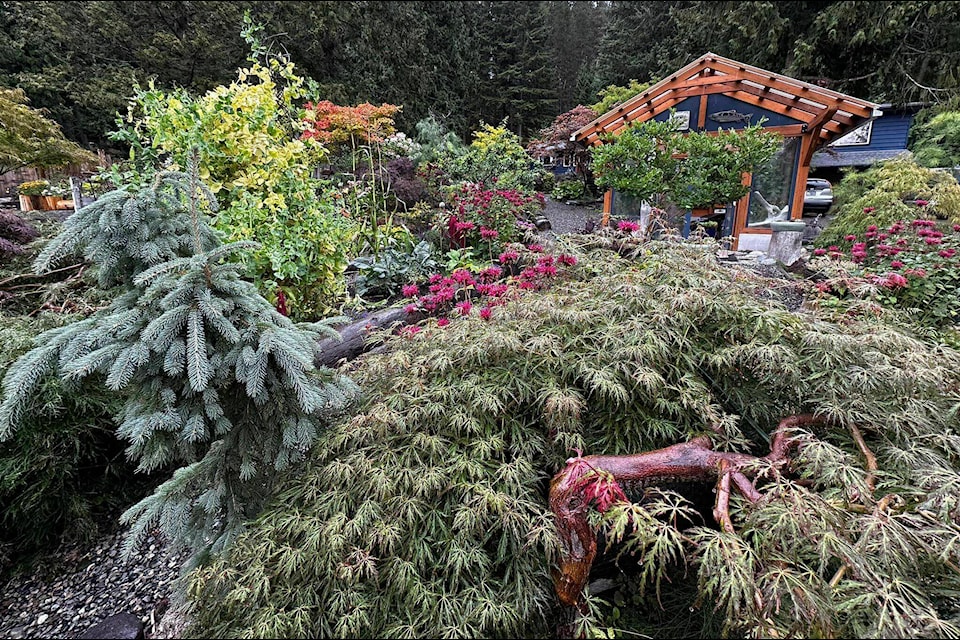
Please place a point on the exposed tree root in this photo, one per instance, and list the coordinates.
(571, 496)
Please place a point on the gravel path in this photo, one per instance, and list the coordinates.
(565, 218)
(79, 586)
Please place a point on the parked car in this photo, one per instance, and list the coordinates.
(819, 195)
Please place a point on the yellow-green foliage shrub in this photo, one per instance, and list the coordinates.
(898, 189)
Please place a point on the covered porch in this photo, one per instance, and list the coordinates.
(714, 92)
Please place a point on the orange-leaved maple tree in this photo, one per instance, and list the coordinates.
(364, 123)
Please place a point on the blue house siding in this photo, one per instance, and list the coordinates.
(888, 139)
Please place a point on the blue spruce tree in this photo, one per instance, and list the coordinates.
(212, 377)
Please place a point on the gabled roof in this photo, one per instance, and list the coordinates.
(831, 112)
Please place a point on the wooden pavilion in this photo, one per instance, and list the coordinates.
(714, 92)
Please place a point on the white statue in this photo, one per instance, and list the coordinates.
(773, 213)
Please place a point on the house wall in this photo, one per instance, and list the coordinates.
(890, 132)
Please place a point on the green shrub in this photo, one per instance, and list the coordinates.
(691, 170)
(497, 159)
(426, 514)
(64, 470)
(938, 141)
(886, 193)
(250, 153)
(386, 274)
(568, 190)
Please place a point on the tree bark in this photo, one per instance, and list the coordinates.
(354, 337)
(690, 461)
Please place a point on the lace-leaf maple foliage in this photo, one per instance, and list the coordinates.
(426, 514)
(215, 383)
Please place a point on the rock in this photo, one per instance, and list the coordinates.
(121, 626)
(43, 617)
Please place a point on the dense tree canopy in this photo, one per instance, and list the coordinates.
(467, 61)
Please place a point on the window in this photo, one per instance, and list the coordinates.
(771, 190)
(859, 136)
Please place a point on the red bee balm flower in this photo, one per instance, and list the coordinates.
(410, 290)
(488, 234)
(485, 313)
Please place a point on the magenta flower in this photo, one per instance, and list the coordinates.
(410, 331)
(485, 313)
(947, 253)
(894, 281)
(956, 227)
(442, 322)
(464, 307)
(869, 209)
(896, 264)
(536, 248)
(819, 252)
(850, 238)
(410, 290)
(488, 234)
(508, 256)
(567, 260)
(628, 226)
(410, 308)
(921, 203)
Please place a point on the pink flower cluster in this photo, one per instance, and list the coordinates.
(456, 292)
(896, 247)
(628, 226)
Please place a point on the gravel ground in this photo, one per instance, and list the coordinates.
(79, 586)
(565, 218)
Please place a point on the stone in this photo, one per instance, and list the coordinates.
(43, 617)
(785, 243)
(122, 626)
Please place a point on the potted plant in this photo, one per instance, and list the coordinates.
(50, 198)
(30, 194)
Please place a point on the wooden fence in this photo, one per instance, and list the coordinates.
(10, 180)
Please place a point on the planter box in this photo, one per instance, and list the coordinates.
(49, 203)
(28, 203)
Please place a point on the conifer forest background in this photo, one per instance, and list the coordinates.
(466, 61)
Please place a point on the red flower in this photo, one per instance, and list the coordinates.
(488, 234)
(567, 260)
(410, 290)
(410, 308)
(819, 252)
(896, 264)
(628, 226)
(464, 307)
(536, 248)
(956, 227)
(947, 253)
(850, 238)
(442, 322)
(485, 313)
(921, 203)
(410, 331)
(508, 256)
(869, 209)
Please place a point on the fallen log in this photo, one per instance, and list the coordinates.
(355, 338)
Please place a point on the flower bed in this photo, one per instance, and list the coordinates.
(913, 265)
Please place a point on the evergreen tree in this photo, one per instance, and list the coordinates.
(211, 375)
(517, 78)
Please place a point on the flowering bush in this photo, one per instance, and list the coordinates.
(910, 265)
(898, 189)
(488, 218)
(32, 187)
(463, 289)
